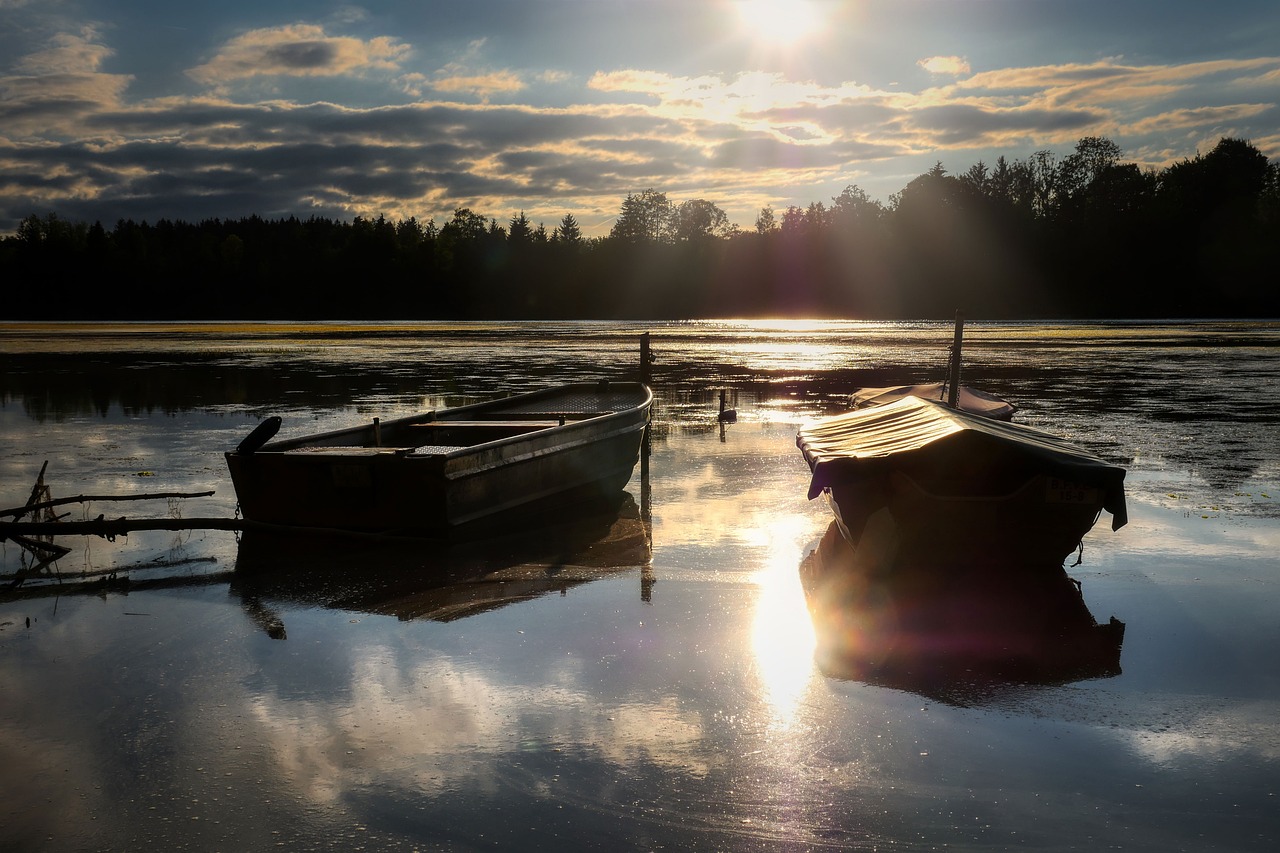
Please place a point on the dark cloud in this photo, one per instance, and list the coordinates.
(962, 124)
(303, 55)
(764, 151)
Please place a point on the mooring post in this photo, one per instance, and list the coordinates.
(646, 358)
(953, 378)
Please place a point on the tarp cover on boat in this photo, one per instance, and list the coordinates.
(866, 443)
(969, 399)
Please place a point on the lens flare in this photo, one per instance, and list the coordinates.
(779, 21)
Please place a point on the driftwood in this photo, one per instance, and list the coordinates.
(18, 512)
(18, 530)
(112, 527)
(37, 491)
(46, 525)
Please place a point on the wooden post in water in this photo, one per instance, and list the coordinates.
(953, 375)
(646, 358)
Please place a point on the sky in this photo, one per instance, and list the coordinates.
(151, 109)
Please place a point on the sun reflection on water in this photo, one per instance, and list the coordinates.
(782, 636)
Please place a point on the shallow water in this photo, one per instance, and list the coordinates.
(639, 681)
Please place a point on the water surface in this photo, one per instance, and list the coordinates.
(641, 680)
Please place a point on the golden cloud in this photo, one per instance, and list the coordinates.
(482, 85)
(67, 53)
(954, 65)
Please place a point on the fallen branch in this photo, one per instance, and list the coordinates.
(38, 489)
(18, 512)
(39, 548)
(111, 527)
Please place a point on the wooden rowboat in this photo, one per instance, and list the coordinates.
(440, 471)
(917, 483)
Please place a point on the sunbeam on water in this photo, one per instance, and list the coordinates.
(782, 637)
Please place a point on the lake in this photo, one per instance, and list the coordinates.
(639, 680)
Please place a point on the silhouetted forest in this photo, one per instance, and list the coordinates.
(1085, 235)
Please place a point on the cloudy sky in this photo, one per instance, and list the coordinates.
(144, 109)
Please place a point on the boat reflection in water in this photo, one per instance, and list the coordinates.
(425, 579)
(956, 636)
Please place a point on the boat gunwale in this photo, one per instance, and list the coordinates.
(319, 441)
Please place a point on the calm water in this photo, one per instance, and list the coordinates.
(640, 681)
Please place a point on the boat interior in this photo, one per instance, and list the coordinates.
(431, 437)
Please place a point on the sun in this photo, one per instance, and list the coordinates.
(779, 21)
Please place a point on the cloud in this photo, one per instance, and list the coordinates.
(461, 77)
(480, 85)
(970, 125)
(1199, 117)
(67, 53)
(72, 141)
(953, 65)
(300, 50)
(58, 86)
(1113, 81)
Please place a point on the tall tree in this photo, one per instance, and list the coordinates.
(1045, 175)
(854, 206)
(1093, 156)
(645, 218)
(520, 230)
(699, 219)
(567, 231)
(765, 222)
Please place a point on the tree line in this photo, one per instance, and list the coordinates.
(1084, 235)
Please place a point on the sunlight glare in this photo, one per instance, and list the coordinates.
(779, 21)
(782, 634)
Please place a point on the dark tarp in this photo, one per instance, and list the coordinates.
(868, 443)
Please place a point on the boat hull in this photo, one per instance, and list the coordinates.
(437, 473)
(901, 524)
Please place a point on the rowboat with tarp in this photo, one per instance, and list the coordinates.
(969, 399)
(439, 471)
(917, 482)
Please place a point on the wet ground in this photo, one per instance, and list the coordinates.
(645, 679)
